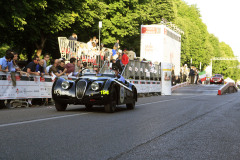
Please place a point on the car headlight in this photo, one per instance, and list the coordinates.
(95, 86)
(65, 84)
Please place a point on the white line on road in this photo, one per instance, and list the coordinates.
(168, 100)
(72, 115)
(39, 120)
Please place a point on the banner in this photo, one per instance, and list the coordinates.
(166, 77)
(26, 87)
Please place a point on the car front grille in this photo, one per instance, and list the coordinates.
(80, 89)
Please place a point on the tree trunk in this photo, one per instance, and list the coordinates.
(41, 44)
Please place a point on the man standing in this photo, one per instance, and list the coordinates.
(5, 62)
(191, 75)
(117, 45)
(125, 58)
(31, 67)
(89, 43)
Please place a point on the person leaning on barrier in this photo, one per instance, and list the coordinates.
(5, 62)
(70, 66)
(13, 66)
(54, 69)
(39, 67)
(61, 66)
(31, 67)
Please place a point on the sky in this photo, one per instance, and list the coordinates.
(222, 18)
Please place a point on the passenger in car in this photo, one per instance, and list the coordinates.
(117, 75)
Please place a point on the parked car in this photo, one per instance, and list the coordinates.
(217, 79)
(90, 90)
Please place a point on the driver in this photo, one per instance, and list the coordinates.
(82, 69)
(117, 75)
(96, 69)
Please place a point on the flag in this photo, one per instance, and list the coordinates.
(202, 76)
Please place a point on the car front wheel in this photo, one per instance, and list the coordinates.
(110, 107)
(60, 106)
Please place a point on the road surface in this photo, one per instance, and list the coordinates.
(188, 125)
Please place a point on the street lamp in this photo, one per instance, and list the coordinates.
(99, 26)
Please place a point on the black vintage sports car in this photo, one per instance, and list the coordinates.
(89, 90)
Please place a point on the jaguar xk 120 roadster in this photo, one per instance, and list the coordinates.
(89, 89)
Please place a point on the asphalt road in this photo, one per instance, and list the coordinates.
(186, 125)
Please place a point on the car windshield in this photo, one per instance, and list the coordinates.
(217, 76)
(106, 70)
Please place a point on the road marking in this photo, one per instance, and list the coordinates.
(39, 120)
(168, 100)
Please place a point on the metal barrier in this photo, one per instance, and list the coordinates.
(80, 50)
(142, 71)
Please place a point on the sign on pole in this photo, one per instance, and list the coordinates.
(166, 78)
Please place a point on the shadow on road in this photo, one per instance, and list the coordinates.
(95, 109)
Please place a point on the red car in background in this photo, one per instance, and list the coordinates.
(217, 79)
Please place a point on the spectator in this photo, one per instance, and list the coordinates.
(54, 69)
(125, 58)
(96, 42)
(31, 67)
(94, 47)
(5, 62)
(114, 52)
(45, 60)
(13, 64)
(191, 75)
(119, 64)
(73, 37)
(117, 45)
(51, 64)
(101, 47)
(61, 66)
(131, 54)
(90, 43)
(106, 54)
(94, 39)
(70, 66)
(39, 67)
(78, 66)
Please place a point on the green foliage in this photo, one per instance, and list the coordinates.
(3, 49)
(30, 26)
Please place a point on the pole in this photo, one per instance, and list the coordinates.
(99, 38)
(191, 61)
(100, 26)
(200, 66)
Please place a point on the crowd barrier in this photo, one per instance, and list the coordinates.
(146, 80)
(142, 71)
(26, 87)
